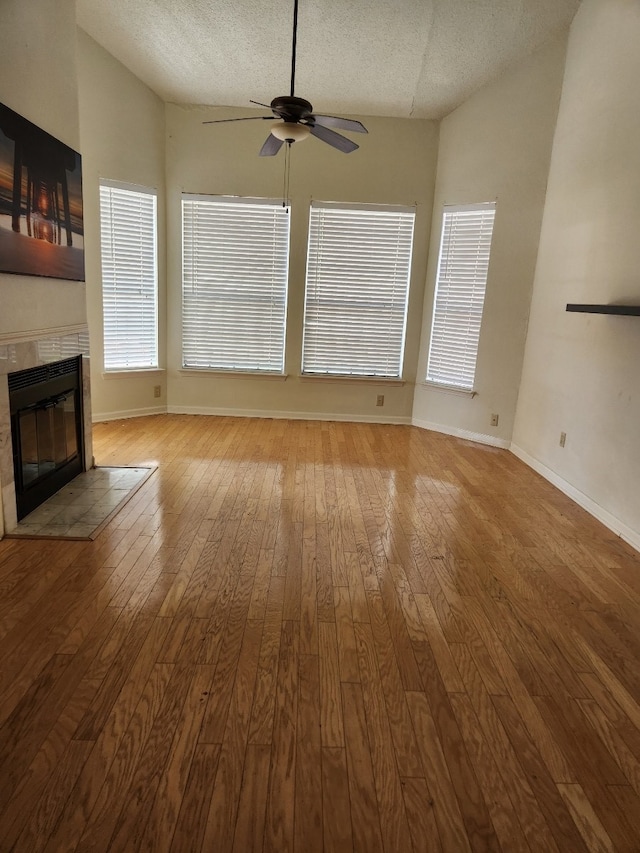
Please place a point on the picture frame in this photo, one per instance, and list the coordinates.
(41, 214)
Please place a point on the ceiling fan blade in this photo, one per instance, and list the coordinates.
(341, 123)
(259, 103)
(334, 139)
(242, 118)
(271, 146)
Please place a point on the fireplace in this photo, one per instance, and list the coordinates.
(22, 351)
(45, 404)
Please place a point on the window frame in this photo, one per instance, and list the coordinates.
(476, 292)
(110, 365)
(188, 362)
(310, 367)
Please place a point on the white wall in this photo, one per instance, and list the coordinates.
(394, 165)
(122, 136)
(495, 147)
(580, 372)
(38, 80)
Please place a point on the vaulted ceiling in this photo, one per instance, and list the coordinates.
(406, 58)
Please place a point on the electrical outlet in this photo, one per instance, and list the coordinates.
(563, 438)
(157, 390)
(380, 400)
(494, 420)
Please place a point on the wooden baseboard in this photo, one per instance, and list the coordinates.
(603, 515)
(479, 437)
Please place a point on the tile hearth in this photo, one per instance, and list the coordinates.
(81, 508)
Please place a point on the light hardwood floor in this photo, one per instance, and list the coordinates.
(321, 636)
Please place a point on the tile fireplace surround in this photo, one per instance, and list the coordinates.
(21, 352)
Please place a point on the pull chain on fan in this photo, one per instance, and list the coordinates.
(295, 119)
(285, 182)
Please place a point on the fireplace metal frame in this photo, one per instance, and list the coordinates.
(40, 388)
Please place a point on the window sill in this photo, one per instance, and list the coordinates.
(336, 377)
(233, 374)
(449, 389)
(134, 373)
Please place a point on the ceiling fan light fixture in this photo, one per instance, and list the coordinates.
(289, 131)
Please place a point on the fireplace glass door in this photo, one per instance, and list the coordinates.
(48, 437)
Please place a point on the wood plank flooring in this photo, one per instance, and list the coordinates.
(307, 636)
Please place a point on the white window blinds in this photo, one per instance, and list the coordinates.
(235, 270)
(358, 267)
(459, 299)
(129, 277)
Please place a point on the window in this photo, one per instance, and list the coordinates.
(357, 287)
(129, 277)
(234, 293)
(459, 299)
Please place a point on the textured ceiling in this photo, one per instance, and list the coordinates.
(418, 58)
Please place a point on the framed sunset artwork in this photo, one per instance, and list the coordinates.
(41, 225)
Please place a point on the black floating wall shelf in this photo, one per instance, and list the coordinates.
(628, 310)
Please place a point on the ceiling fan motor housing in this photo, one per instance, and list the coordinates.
(291, 109)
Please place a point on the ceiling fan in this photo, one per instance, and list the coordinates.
(295, 119)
